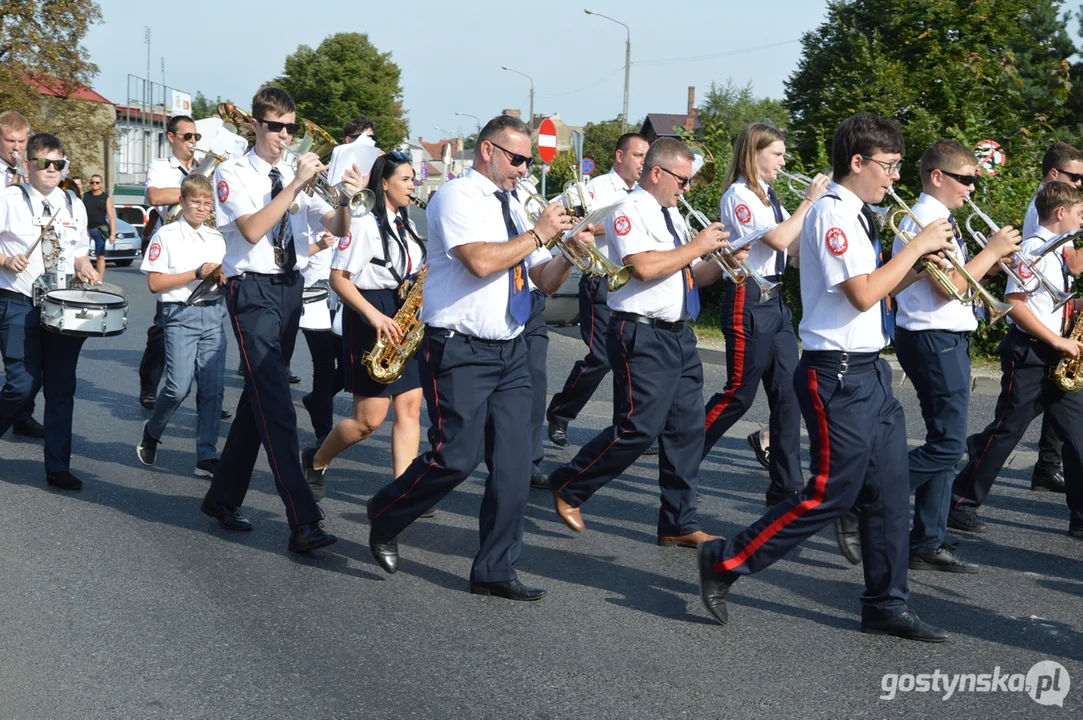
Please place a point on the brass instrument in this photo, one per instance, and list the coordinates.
(16, 162)
(386, 361)
(1054, 244)
(976, 292)
(237, 121)
(419, 203)
(206, 169)
(587, 258)
(317, 140)
(1068, 373)
(738, 271)
(708, 170)
(1060, 297)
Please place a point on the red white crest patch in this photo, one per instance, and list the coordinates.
(836, 241)
(744, 215)
(622, 225)
(154, 251)
(1024, 271)
(344, 241)
(223, 191)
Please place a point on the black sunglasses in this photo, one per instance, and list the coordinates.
(45, 162)
(514, 159)
(971, 180)
(1074, 177)
(276, 127)
(188, 136)
(685, 182)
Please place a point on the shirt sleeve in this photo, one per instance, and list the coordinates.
(457, 217)
(844, 248)
(230, 200)
(157, 177)
(356, 249)
(316, 208)
(78, 209)
(743, 213)
(157, 257)
(629, 233)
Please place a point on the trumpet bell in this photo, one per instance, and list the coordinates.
(995, 310)
(619, 278)
(361, 202)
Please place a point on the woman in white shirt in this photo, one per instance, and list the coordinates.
(367, 270)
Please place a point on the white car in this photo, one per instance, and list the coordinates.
(127, 248)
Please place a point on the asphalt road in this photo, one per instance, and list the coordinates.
(124, 601)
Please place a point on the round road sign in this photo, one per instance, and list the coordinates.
(547, 140)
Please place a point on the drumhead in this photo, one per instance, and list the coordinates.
(313, 294)
(85, 298)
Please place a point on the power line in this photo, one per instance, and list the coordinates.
(599, 81)
(729, 53)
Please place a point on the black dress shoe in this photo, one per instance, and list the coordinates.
(1047, 481)
(310, 536)
(651, 451)
(763, 454)
(29, 428)
(558, 433)
(428, 514)
(774, 497)
(314, 477)
(292, 378)
(147, 449)
(967, 521)
(147, 398)
(64, 480)
(1075, 532)
(229, 517)
(539, 481)
(226, 414)
(905, 625)
(944, 559)
(513, 590)
(848, 538)
(385, 551)
(712, 590)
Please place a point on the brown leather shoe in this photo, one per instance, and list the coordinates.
(689, 541)
(570, 515)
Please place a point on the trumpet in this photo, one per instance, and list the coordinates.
(19, 176)
(738, 271)
(1054, 244)
(587, 258)
(1060, 297)
(798, 182)
(975, 293)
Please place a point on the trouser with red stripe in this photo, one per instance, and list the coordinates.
(587, 374)
(264, 311)
(1025, 391)
(857, 434)
(478, 396)
(760, 348)
(657, 393)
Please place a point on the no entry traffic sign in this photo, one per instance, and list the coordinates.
(547, 140)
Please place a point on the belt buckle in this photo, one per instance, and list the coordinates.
(844, 364)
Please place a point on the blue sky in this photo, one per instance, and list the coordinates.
(451, 54)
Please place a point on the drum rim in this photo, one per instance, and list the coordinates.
(314, 294)
(118, 303)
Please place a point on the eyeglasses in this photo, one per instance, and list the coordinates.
(889, 167)
(685, 182)
(188, 136)
(45, 162)
(971, 180)
(1074, 177)
(276, 127)
(209, 205)
(515, 159)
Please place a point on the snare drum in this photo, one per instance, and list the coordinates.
(84, 313)
(315, 310)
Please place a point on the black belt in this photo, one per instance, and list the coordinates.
(285, 276)
(199, 303)
(14, 296)
(651, 322)
(439, 331)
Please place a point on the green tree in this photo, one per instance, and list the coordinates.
(204, 107)
(600, 142)
(344, 77)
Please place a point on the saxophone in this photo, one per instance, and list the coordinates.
(1068, 374)
(386, 360)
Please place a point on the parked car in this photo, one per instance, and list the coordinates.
(127, 248)
(562, 307)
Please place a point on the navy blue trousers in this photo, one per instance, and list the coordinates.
(536, 334)
(587, 374)
(938, 365)
(657, 393)
(857, 434)
(761, 348)
(327, 380)
(477, 393)
(1025, 391)
(264, 311)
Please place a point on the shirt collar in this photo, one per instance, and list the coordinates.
(940, 208)
(487, 186)
(641, 196)
(1044, 233)
(847, 196)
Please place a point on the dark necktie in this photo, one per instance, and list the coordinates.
(887, 311)
(518, 292)
(400, 226)
(691, 291)
(780, 256)
(282, 233)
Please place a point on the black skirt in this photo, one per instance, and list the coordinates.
(358, 337)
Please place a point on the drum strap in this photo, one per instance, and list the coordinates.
(30, 206)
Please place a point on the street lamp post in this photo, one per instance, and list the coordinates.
(530, 121)
(477, 121)
(627, 63)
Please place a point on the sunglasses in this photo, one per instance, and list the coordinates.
(1074, 177)
(971, 180)
(276, 127)
(95, 182)
(45, 162)
(514, 159)
(188, 136)
(889, 167)
(685, 182)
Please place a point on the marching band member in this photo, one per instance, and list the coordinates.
(657, 373)
(588, 373)
(324, 346)
(932, 342)
(30, 352)
(163, 183)
(856, 427)
(473, 362)
(760, 342)
(358, 127)
(255, 195)
(179, 256)
(369, 266)
(1035, 344)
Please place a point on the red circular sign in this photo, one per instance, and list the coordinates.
(547, 140)
(990, 157)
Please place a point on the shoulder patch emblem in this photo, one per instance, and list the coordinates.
(1024, 271)
(345, 240)
(154, 251)
(744, 215)
(836, 241)
(223, 191)
(622, 225)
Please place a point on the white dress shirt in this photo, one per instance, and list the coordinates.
(177, 248)
(464, 211)
(21, 224)
(355, 252)
(243, 187)
(836, 247)
(744, 214)
(1030, 220)
(605, 190)
(1038, 298)
(164, 173)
